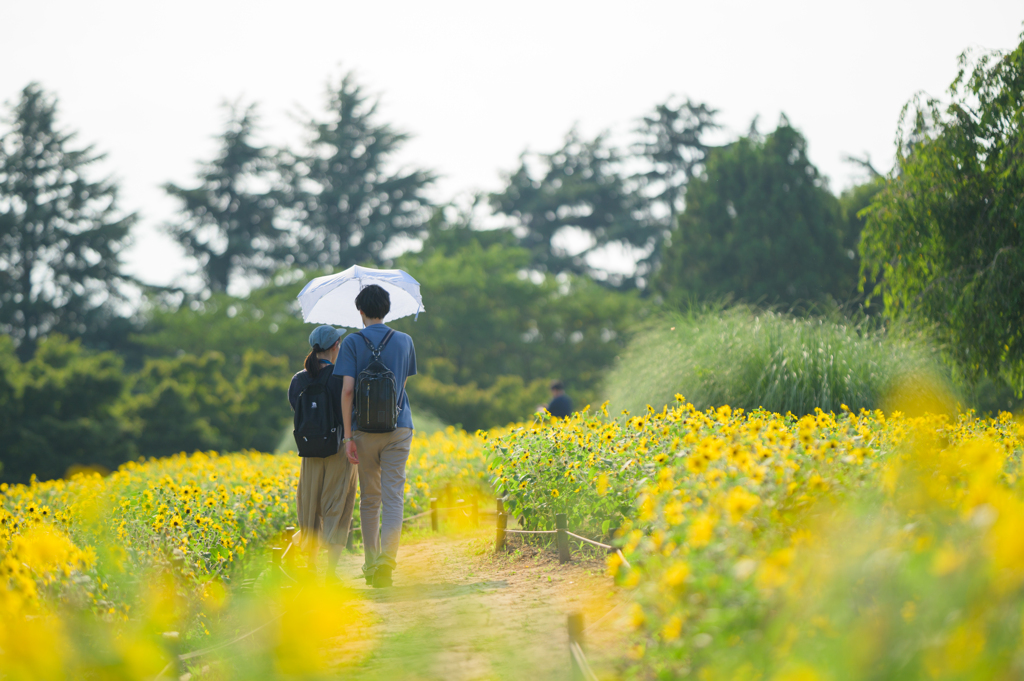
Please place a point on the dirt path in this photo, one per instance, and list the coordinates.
(458, 612)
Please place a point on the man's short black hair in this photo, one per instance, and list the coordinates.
(557, 385)
(374, 302)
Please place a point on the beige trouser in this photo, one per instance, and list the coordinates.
(382, 458)
(326, 497)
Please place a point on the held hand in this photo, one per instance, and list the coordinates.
(350, 452)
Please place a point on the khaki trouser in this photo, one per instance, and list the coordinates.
(326, 497)
(382, 458)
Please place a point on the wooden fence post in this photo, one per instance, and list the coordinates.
(576, 636)
(289, 552)
(499, 542)
(275, 556)
(433, 515)
(561, 525)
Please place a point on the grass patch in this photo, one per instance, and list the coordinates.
(750, 358)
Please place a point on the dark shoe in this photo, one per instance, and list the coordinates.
(382, 577)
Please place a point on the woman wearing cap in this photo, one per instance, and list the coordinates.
(327, 485)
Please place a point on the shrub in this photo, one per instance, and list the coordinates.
(207, 401)
(748, 358)
(60, 408)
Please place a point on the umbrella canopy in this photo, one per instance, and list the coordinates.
(332, 299)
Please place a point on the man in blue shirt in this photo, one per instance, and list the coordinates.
(381, 456)
(560, 404)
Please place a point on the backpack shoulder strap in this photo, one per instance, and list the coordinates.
(324, 375)
(376, 350)
(365, 339)
(321, 378)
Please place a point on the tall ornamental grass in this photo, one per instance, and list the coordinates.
(750, 358)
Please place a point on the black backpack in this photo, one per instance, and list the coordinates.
(317, 426)
(376, 402)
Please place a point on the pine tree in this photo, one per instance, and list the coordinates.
(228, 221)
(672, 143)
(347, 203)
(61, 233)
(579, 187)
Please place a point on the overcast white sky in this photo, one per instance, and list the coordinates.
(477, 82)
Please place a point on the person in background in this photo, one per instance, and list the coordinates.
(381, 456)
(560, 404)
(327, 486)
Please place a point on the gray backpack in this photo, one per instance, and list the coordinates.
(376, 398)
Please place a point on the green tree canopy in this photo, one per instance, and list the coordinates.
(494, 335)
(945, 238)
(760, 225)
(852, 204)
(267, 318)
(569, 204)
(228, 222)
(61, 233)
(69, 406)
(208, 402)
(61, 408)
(346, 201)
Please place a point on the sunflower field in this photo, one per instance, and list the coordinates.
(763, 546)
(114, 575)
(759, 546)
(446, 465)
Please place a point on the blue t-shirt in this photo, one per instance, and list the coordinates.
(398, 355)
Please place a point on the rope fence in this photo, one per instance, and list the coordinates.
(278, 559)
(282, 557)
(590, 541)
(581, 670)
(578, 664)
(471, 510)
(561, 533)
(602, 618)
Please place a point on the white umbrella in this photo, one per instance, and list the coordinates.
(332, 299)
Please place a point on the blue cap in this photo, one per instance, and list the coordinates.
(324, 336)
